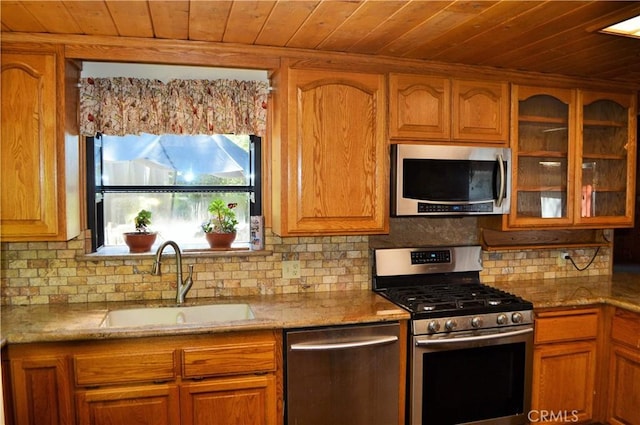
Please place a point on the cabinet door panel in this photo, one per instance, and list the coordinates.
(143, 405)
(480, 111)
(338, 157)
(230, 401)
(41, 391)
(624, 386)
(564, 378)
(542, 140)
(606, 159)
(419, 107)
(39, 149)
(28, 149)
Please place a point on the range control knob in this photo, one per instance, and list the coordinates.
(450, 325)
(433, 326)
(516, 317)
(502, 319)
(476, 322)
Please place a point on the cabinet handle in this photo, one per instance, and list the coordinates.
(502, 181)
(309, 346)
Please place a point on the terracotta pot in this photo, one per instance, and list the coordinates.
(139, 242)
(220, 240)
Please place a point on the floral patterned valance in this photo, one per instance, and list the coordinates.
(119, 106)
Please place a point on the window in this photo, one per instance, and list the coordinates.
(173, 176)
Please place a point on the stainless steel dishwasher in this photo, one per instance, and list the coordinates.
(343, 375)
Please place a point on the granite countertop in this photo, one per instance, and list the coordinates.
(52, 322)
(620, 290)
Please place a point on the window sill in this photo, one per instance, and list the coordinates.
(122, 253)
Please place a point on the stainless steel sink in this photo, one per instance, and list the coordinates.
(154, 316)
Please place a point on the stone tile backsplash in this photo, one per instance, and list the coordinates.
(59, 272)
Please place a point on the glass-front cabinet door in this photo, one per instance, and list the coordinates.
(543, 135)
(606, 154)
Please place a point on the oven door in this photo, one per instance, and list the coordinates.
(472, 377)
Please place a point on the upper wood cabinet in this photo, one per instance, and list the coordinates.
(480, 111)
(440, 109)
(605, 159)
(543, 135)
(330, 155)
(39, 195)
(419, 107)
(573, 155)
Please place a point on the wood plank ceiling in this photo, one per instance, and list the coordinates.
(559, 37)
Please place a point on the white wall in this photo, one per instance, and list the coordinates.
(168, 72)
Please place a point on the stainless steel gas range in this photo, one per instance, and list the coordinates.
(470, 344)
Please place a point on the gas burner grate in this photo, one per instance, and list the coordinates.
(453, 298)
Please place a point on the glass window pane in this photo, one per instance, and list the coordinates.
(169, 160)
(175, 216)
(174, 162)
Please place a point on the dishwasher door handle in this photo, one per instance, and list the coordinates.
(311, 346)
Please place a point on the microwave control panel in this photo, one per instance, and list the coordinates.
(424, 207)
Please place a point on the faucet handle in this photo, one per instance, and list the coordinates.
(190, 271)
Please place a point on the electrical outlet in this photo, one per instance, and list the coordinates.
(563, 258)
(291, 269)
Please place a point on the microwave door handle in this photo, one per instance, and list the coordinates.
(502, 181)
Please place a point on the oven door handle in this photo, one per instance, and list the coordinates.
(423, 342)
(309, 346)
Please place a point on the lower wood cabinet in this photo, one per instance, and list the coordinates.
(139, 405)
(238, 400)
(623, 395)
(41, 388)
(231, 378)
(564, 364)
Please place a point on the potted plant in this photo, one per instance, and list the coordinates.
(220, 228)
(143, 238)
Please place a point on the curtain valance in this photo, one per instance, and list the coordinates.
(120, 105)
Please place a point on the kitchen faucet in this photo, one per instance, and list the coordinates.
(181, 288)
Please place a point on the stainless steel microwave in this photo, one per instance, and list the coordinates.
(449, 180)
